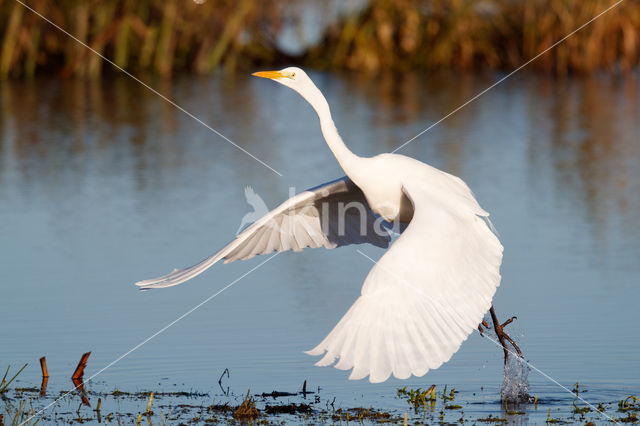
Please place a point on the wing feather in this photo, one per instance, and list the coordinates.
(426, 294)
(305, 220)
(262, 239)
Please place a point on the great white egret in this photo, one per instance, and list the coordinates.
(428, 292)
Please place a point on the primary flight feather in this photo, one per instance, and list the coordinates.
(428, 292)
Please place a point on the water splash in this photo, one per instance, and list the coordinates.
(515, 385)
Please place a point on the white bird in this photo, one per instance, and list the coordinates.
(426, 294)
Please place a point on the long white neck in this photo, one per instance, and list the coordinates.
(347, 159)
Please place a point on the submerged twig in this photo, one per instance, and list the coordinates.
(226, 371)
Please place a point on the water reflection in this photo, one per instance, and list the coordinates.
(587, 129)
(56, 132)
(104, 183)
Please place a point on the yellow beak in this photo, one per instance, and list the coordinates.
(270, 74)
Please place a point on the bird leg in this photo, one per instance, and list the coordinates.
(503, 337)
(482, 324)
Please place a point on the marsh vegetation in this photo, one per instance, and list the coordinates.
(165, 37)
(438, 404)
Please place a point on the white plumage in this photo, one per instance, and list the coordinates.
(423, 298)
(427, 293)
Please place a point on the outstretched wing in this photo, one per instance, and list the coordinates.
(424, 297)
(330, 215)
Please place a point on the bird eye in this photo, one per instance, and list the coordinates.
(293, 74)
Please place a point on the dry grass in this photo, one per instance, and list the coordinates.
(142, 36)
(493, 34)
(247, 410)
(181, 35)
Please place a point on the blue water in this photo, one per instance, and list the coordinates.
(103, 184)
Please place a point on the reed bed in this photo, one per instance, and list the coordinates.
(160, 36)
(201, 36)
(493, 34)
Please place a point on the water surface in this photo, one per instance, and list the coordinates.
(103, 184)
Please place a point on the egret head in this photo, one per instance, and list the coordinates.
(292, 77)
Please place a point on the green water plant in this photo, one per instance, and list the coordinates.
(417, 397)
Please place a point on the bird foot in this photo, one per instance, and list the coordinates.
(482, 324)
(503, 337)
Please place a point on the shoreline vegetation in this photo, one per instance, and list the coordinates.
(25, 405)
(30, 406)
(205, 36)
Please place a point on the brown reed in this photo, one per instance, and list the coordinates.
(141, 36)
(493, 34)
(167, 36)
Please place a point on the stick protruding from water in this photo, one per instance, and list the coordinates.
(79, 373)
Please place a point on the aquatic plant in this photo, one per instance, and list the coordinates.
(419, 398)
(24, 404)
(247, 410)
(20, 415)
(4, 383)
